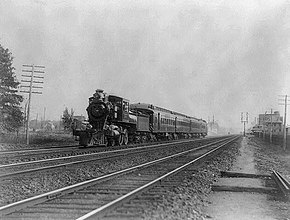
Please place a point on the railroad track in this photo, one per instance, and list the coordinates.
(97, 197)
(18, 156)
(26, 155)
(30, 150)
(10, 170)
(282, 184)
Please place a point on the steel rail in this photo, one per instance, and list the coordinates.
(123, 152)
(83, 155)
(282, 183)
(4, 210)
(58, 148)
(101, 211)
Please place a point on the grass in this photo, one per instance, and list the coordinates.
(39, 137)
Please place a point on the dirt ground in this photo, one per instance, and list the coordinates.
(257, 157)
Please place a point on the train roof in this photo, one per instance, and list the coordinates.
(151, 107)
(118, 97)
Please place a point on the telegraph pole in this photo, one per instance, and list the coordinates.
(285, 116)
(244, 120)
(271, 129)
(264, 126)
(31, 74)
(25, 117)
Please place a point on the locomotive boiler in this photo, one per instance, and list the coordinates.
(113, 121)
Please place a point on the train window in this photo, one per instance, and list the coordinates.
(126, 106)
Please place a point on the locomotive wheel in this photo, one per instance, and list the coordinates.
(105, 141)
(111, 142)
(143, 139)
(175, 136)
(120, 140)
(125, 137)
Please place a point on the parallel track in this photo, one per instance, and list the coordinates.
(94, 198)
(10, 170)
(26, 155)
(11, 157)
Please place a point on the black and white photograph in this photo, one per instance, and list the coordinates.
(145, 109)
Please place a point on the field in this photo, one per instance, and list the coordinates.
(38, 138)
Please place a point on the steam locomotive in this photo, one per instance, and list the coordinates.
(114, 121)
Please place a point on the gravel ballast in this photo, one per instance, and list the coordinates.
(269, 157)
(25, 186)
(184, 201)
(187, 200)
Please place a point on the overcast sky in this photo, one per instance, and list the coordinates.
(198, 57)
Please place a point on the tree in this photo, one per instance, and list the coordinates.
(67, 118)
(11, 116)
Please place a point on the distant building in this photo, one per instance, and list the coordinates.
(49, 126)
(213, 128)
(267, 120)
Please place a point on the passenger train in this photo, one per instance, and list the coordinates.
(114, 121)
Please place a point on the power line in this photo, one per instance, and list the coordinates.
(285, 116)
(244, 119)
(30, 84)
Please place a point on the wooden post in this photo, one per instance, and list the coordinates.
(28, 108)
(271, 130)
(284, 131)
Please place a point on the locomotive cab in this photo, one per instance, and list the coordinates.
(119, 109)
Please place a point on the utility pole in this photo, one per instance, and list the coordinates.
(36, 122)
(44, 110)
(271, 129)
(285, 116)
(244, 120)
(264, 126)
(31, 74)
(25, 117)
